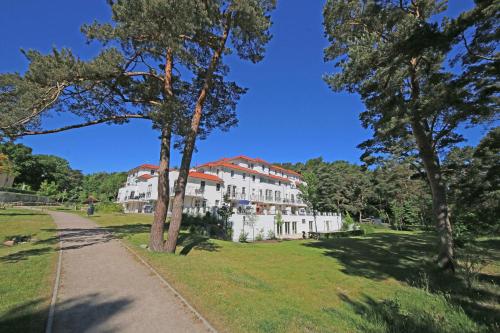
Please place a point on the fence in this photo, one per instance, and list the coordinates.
(24, 199)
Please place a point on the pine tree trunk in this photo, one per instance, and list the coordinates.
(189, 145)
(439, 201)
(156, 238)
(430, 159)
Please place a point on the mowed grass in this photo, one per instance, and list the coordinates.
(382, 282)
(26, 270)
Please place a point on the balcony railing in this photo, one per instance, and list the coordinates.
(193, 192)
(262, 198)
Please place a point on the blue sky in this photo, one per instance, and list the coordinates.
(288, 114)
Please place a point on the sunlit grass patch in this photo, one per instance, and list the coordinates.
(26, 269)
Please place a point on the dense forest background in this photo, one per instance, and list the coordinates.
(391, 191)
(397, 192)
(53, 176)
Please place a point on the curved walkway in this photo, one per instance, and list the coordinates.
(103, 288)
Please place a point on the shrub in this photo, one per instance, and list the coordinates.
(260, 235)
(16, 190)
(243, 237)
(109, 207)
(470, 265)
(271, 235)
(347, 223)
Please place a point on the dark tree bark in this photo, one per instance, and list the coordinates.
(180, 189)
(156, 238)
(430, 159)
(439, 201)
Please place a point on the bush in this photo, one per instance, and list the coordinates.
(347, 223)
(243, 237)
(16, 190)
(260, 235)
(271, 235)
(340, 234)
(470, 264)
(109, 207)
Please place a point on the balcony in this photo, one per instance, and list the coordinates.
(190, 191)
(263, 198)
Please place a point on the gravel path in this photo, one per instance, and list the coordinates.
(103, 288)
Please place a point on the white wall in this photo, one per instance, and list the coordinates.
(266, 223)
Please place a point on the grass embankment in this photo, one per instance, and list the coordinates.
(26, 270)
(382, 282)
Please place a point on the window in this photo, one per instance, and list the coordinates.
(217, 172)
(253, 178)
(217, 187)
(232, 173)
(310, 225)
(152, 172)
(327, 225)
(202, 185)
(279, 229)
(294, 227)
(244, 176)
(243, 190)
(287, 228)
(234, 191)
(303, 221)
(279, 182)
(217, 203)
(251, 166)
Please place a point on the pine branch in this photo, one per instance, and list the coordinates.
(89, 123)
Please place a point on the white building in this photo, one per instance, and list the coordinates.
(249, 184)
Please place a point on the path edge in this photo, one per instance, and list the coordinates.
(169, 286)
(55, 290)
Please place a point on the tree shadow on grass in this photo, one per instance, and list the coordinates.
(122, 231)
(23, 213)
(82, 237)
(191, 241)
(379, 256)
(370, 315)
(406, 258)
(82, 314)
(12, 258)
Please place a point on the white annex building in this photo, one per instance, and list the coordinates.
(250, 184)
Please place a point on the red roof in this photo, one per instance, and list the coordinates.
(145, 176)
(259, 160)
(240, 168)
(144, 167)
(148, 166)
(201, 175)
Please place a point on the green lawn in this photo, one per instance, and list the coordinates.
(26, 270)
(381, 282)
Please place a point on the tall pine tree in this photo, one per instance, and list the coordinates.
(393, 53)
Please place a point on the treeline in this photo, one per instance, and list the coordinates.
(397, 192)
(53, 176)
